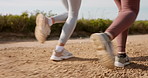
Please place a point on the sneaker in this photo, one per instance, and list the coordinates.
(64, 55)
(42, 29)
(121, 61)
(104, 48)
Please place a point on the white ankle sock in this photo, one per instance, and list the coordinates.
(110, 35)
(59, 48)
(50, 22)
(121, 52)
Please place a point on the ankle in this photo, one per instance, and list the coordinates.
(50, 21)
(109, 35)
(59, 48)
(121, 54)
(53, 21)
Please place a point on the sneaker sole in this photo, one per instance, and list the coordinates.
(63, 58)
(39, 33)
(118, 64)
(106, 57)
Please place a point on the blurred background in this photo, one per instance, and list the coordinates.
(89, 9)
(17, 17)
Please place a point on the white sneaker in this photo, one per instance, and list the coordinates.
(65, 55)
(104, 48)
(42, 29)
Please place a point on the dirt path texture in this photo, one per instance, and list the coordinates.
(30, 59)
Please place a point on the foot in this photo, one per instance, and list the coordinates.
(42, 29)
(57, 56)
(104, 48)
(121, 61)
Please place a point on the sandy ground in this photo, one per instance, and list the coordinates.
(31, 60)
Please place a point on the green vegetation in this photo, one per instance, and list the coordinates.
(25, 24)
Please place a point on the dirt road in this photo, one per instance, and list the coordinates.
(31, 60)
